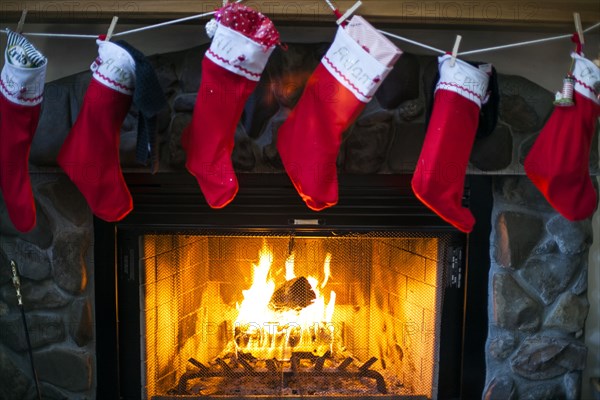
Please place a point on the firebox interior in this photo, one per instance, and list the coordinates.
(240, 315)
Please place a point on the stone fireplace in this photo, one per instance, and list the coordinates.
(533, 289)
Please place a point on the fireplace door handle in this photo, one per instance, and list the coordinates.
(306, 222)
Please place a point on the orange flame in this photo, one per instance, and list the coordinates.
(269, 333)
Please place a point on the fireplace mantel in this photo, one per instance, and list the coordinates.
(487, 14)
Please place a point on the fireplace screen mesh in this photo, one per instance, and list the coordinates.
(236, 316)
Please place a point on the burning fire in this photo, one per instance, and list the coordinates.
(266, 329)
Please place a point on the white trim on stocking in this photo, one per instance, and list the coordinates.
(464, 79)
(353, 67)
(21, 85)
(114, 67)
(586, 74)
(238, 54)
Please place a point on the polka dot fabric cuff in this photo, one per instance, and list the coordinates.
(248, 22)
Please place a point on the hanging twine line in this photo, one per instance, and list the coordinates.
(487, 49)
(419, 44)
(124, 33)
(397, 37)
(527, 43)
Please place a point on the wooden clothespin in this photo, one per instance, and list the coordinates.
(455, 50)
(578, 27)
(21, 23)
(348, 13)
(111, 28)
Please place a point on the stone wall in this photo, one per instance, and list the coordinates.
(537, 303)
(55, 264)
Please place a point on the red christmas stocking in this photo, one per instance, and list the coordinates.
(558, 162)
(90, 154)
(439, 178)
(243, 41)
(21, 88)
(335, 94)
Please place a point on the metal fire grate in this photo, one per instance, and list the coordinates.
(302, 366)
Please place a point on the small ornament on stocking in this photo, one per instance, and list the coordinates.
(564, 98)
(21, 94)
(243, 41)
(90, 154)
(343, 83)
(558, 162)
(439, 178)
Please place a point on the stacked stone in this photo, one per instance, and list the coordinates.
(53, 261)
(538, 303)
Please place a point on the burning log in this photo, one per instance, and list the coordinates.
(294, 294)
(275, 320)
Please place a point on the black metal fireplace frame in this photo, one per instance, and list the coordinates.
(268, 203)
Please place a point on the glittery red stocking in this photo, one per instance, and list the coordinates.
(243, 41)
